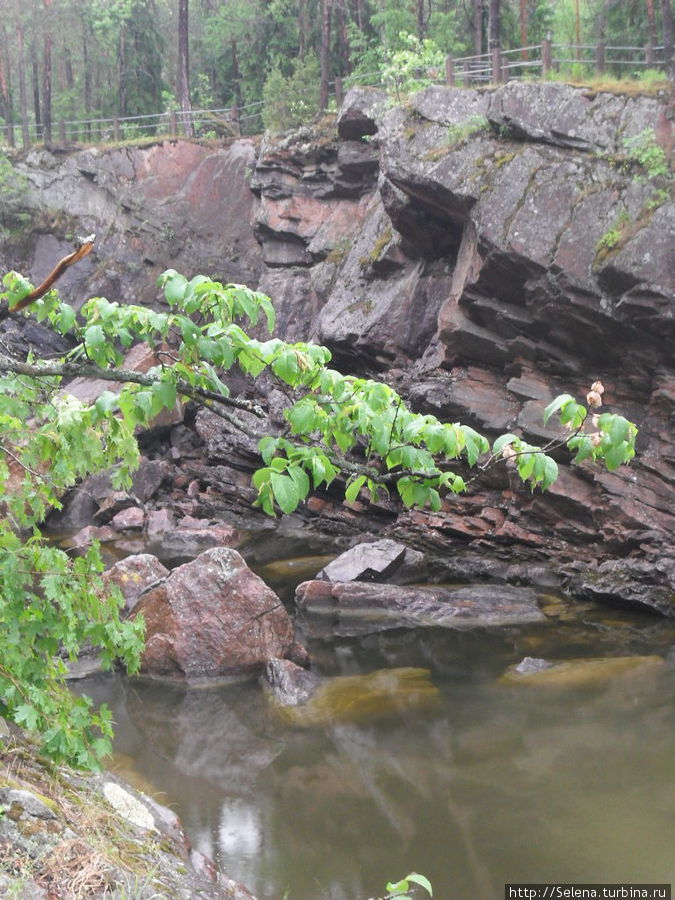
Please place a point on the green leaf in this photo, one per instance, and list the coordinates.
(503, 441)
(107, 402)
(582, 444)
(286, 367)
(550, 472)
(301, 480)
(422, 881)
(27, 715)
(286, 492)
(261, 476)
(397, 887)
(344, 440)
(174, 289)
(94, 336)
(354, 487)
(617, 455)
(165, 391)
(303, 417)
(66, 318)
(526, 463)
(267, 447)
(475, 444)
(573, 414)
(555, 405)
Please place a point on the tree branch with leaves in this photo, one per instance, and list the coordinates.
(339, 429)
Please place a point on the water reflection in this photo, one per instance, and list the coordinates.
(498, 783)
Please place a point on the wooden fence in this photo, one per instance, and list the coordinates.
(548, 59)
(497, 67)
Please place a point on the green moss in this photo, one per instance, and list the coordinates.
(339, 251)
(501, 159)
(365, 306)
(378, 248)
(612, 239)
(435, 154)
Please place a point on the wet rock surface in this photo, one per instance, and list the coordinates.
(382, 560)
(212, 616)
(454, 247)
(289, 684)
(359, 607)
(135, 575)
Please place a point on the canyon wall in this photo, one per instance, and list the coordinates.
(481, 250)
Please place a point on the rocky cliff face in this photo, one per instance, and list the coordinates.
(483, 250)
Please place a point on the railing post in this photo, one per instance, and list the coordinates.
(116, 129)
(449, 70)
(173, 124)
(9, 131)
(650, 56)
(496, 65)
(600, 58)
(62, 132)
(546, 54)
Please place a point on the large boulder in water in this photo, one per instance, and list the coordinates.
(213, 616)
(359, 607)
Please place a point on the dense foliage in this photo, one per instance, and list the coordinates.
(82, 59)
(352, 431)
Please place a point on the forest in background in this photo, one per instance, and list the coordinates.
(83, 59)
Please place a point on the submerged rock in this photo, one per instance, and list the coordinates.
(360, 608)
(213, 616)
(289, 684)
(573, 673)
(349, 698)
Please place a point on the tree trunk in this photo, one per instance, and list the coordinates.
(345, 48)
(121, 72)
(477, 27)
(68, 70)
(86, 32)
(667, 15)
(523, 29)
(23, 95)
(494, 25)
(651, 33)
(360, 14)
(325, 53)
(236, 74)
(47, 76)
(303, 29)
(419, 4)
(5, 92)
(36, 91)
(184, 69)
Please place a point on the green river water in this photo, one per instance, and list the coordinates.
(490, 784)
